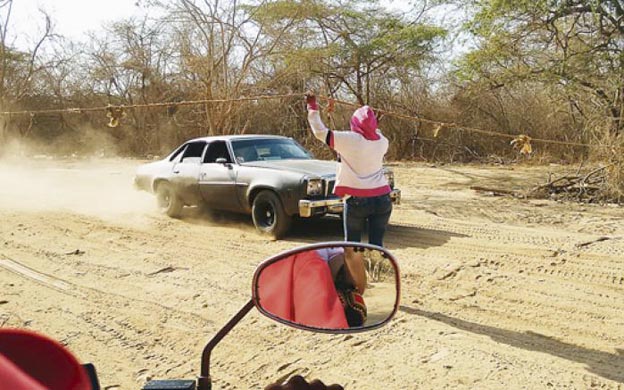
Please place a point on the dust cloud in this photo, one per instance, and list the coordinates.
(100, 186)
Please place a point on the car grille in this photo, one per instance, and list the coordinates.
(329, 187)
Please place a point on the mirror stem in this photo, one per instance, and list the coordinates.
(204, 382)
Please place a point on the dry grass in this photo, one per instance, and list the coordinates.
(527, 110)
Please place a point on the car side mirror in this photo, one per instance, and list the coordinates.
(221, 160)
(337, 287)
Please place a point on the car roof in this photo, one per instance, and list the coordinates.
(236, 137)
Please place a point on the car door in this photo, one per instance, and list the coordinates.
(185, 172)
(217, 180)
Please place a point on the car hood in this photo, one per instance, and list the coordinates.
(307, 167)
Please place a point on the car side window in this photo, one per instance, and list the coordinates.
(217, 149)
(175, 156)
(193, 151)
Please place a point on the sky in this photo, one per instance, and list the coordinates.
(73, 18)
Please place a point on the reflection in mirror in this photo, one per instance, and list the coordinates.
(337, 287)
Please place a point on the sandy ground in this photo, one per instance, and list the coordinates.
(498, 293)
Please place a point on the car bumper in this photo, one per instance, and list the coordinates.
(310, 208)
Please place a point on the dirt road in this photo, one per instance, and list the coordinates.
(498, 293)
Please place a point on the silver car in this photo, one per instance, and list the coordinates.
(273, 178)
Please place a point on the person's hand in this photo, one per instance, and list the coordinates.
(356, 270)
(310, 98)
(298, 383)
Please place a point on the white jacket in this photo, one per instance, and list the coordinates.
(360, 172)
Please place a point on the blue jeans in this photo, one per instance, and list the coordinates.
(375, 210)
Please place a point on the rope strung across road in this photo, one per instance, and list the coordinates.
(452, 125)
(117, 111)
(144, 105)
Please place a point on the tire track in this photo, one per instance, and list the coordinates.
(92, 294)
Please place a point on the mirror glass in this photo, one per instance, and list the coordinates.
(331, 287)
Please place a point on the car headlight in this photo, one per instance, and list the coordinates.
(315, 187)
(390, 177)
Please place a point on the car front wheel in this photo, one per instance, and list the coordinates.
(269, 216)
(168, 201)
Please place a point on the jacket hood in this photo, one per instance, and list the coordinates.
(364, 122)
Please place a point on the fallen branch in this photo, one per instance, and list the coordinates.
(592, 242)
(165, 270)
(75, 252)
(585, 188)
(496, 191)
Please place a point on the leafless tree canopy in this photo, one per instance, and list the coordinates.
(550, 70)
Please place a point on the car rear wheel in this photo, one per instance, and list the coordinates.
(168, 201)
(269, 215)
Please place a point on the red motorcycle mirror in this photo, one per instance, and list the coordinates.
(331, 287)
(335, 287)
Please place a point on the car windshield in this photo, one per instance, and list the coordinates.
(269, 149)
